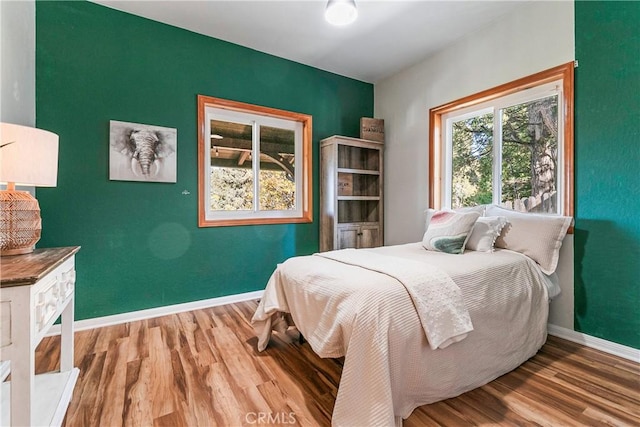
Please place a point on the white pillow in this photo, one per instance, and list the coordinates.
(537, 236)
(480, 209)
(485, 232)
(447, 231)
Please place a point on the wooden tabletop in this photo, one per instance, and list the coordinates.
(27, 269)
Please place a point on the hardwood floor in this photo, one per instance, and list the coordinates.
(201, 368)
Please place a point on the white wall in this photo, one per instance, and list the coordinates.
(531, 39)
(18, 65)
(18, 62)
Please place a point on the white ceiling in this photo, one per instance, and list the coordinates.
(388, 36)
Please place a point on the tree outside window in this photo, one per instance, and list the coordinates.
(511, 145)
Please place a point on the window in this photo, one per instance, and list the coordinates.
(254, 164)
(511, 146)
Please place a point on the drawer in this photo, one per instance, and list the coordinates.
(51, 293)
(46, 303)
(67, 283)
(5, 323)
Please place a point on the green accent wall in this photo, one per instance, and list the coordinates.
(141, 246)
(607, 238)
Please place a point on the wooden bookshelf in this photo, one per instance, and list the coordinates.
(351, 199)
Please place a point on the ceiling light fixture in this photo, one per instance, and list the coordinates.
(341, 12)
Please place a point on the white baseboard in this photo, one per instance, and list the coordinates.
(620, 350)
(116, 319)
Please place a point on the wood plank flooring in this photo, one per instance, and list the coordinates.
(200, 368)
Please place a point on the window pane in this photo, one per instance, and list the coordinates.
(277, 169)
(245, 179)
(472, 156)
(231, 173)
(530, 155)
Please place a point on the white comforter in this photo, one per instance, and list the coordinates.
(370, 318)
(437, 299)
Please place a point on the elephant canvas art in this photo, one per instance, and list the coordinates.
(140, 152)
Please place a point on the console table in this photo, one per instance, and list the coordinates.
(36, 289)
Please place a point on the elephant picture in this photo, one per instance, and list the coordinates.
(140, 152)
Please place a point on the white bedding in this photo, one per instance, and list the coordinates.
(437, 299)
(369, 317)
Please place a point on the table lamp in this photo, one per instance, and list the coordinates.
(28, 156)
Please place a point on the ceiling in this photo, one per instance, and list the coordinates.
(388, 36)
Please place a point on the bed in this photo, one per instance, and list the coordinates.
(368, 306)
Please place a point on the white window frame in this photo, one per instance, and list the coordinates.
(217, 109)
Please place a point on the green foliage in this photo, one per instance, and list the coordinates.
(276, 191)
(232, 190)
(529, 149)
(529, 156)
(472, 161)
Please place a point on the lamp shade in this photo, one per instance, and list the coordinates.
(28, 156)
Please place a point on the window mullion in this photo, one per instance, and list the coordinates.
(448, 165)
(560, 177)
(255, 164)
(497, 157)
(297, 163)
(205, 162)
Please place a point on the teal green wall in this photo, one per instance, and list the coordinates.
(141, 246)
(607, 238)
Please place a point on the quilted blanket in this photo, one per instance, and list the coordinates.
(370, 318)
(437, 299)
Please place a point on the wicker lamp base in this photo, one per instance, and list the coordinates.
(20, 223)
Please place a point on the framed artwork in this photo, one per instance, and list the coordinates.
(140, 152)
